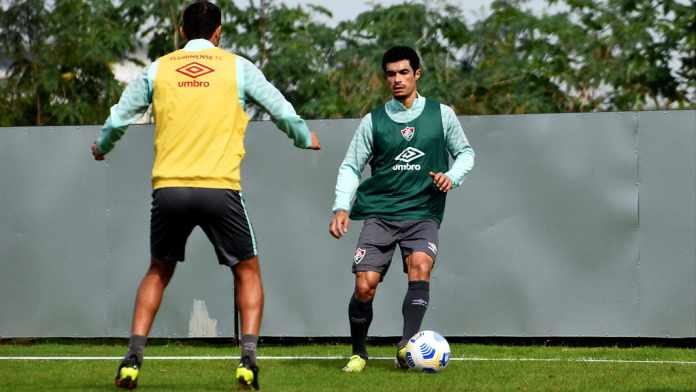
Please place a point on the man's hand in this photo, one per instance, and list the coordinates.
(98, 155)
(339, 224)
(441, 181)
(315, 142)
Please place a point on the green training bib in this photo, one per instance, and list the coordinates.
(402, 156)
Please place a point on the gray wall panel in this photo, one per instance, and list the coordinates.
(547, 223)
(51, 235)
(544, 237)
(127, 224)
(667, 270)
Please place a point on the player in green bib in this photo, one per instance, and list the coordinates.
(408, 143)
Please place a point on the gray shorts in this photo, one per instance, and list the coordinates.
(379, 238)
(220, 213)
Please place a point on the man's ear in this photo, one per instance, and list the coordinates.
(418, 74)
(215, 38)
(182, 34)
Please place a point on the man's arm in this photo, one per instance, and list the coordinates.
(134, 101)
(272, 101)
(350, 170)
(349, 173)
(458, 146)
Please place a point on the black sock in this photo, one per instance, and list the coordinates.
(360, 317)
(414, 307)
(136, 346)
(249, 343)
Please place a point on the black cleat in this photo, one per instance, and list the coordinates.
(127, 373)
(247, 375)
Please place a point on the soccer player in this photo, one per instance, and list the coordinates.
(407, 142)
(199, 94)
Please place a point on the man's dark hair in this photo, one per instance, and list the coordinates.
(201, 19)
(398, 53)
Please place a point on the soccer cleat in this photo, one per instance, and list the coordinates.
(127, 373)
(356, 364)
(400, 360)
(247, 375)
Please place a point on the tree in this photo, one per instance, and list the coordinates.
(592, 55)
(514, 64)
(355, 68)
(625, 53)
(289, 45)
(59, 60)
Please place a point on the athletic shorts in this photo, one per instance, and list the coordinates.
(379, 238)
(220, 213)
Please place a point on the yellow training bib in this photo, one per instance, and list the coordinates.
(199, 121)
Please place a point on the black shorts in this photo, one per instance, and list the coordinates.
(379, 237)
(219, 212)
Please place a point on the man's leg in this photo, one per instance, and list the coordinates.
(147, 304)
(419, 250)
(371, 262)
(249, 288)
(150, 294)
(360, 317)
(419, 265)
(360, 309)
(226, 224)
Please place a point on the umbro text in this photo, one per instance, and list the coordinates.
(193, 83)
(406, 167)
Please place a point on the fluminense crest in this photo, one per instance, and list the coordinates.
(359, 255)
(408, 133)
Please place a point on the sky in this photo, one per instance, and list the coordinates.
(348, 9)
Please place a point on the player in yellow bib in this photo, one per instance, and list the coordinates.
(198, 96)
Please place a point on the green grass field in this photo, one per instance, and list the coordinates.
(484, 368)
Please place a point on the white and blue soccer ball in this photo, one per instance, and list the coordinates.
(427, 351)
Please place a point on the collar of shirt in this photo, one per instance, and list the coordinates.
(198, 44)
(400, 113)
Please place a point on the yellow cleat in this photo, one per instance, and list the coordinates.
(247, 376)
(356, 364)
(400, 361)
(131, 373)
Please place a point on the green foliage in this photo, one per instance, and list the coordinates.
(590, 55)
(514, 64)
(59, 60)
(625, 58)
(289, 45)
(356, 71)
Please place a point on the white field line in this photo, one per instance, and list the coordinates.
(320, 358)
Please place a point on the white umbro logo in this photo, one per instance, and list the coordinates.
(409, 154)
(419, 302)
(432, 247)
(406, 156)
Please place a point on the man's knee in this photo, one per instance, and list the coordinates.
(421, 268)
(420, 264)
(161, 268)
(364, 293)
(365, 288)
(247, 268)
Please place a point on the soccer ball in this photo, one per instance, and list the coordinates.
(427, 351)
